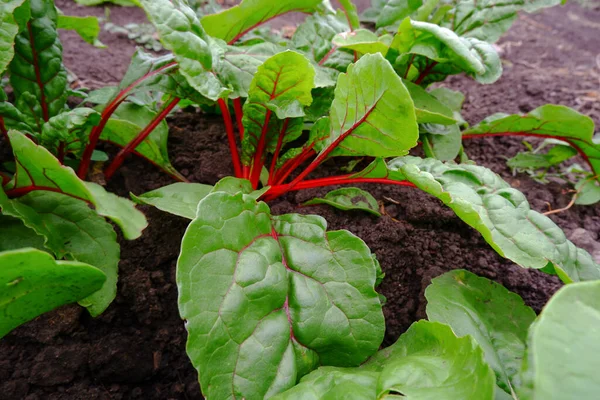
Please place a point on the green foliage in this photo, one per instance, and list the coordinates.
(34, 283)
(87, 27)
(348, 199)
(8, 31)
(178, 199)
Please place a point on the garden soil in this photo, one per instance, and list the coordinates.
(136, 349)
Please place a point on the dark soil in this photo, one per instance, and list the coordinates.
(136, 349)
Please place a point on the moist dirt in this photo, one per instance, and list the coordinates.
(136, 349)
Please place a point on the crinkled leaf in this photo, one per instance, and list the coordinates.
(488, 20)
(451, 53)
(33, 283)
(349, 199)
(427, 362)
(8, 31)
(73, 230)
(87, 27)
(37, 168)
(558, 122)
(71, 128)
(181, 32)
(253, 299)
(363, 41)
(497, 319)
(502, 215)
(396, 10)
(280, 89)
(179, 198)
(231, 24)
(127, 122)
(13, 118)
(37, 75)
(372, 113)
(562, 354)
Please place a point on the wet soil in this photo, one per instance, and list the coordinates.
(136, 349)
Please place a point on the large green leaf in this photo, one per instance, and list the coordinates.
(372, 113)
(488, 20)
(126, 124)
(497, 319)
(72, 230)
(37, 75)
(33, 283)
(440, 51)
(428, 108)
(348, 199)
(8, 31)
(501, 214)
(272, 297)
(548, 121)
(179, 198)
(233, 23)
(562, 354)
(428, 362)
(281, 88)
(181, 32)
(69, 128)
(396, 10)
(37, 169)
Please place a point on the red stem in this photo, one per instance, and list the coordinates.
(278, 150)
(235, 157)
(570, 142)
(425, 72)
(106, 114)
(242, 33)
(326, 57)
(239, 114)
(38, 74)
(22, 191)
(5, 178)
(258, 162)
(4, 130)
(291, 165)
(118, 161)
(279, 190)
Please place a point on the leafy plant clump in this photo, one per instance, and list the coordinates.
(279, 307)
(47, 213)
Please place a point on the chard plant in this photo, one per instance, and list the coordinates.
(56, 245)
(277, 306)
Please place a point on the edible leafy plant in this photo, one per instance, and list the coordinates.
(271, 302)
(46, 212)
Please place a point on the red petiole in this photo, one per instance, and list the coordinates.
(237, 166)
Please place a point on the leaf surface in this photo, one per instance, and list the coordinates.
(562, 355)
(179, 198)
(348, 199)
(372, 113)
(272, 297)
(34, 283)
(86, 27)
(497, 319)
(501, 214)
(8, 30)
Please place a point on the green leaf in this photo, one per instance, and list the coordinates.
(37, 169)
(179, 198)
(351, 13)
(588, 192)
(13, 118)
(8, 31)
(72, 230)
(87, 27)
(451, 53)
(14, 235)
(181, 32)
(71, 128)
(33, 283)
(501, 214)
(554, 156)
(363, 41)
(37, 75)
(558, 122)
(427, 362)
(125, 3)
(372, 113)
(562, 354)
(127, 122)
(281, 86)
(231, 24)
(497, 319)
(253, 299)
(396, 10)
(349, 199)
(429, 109)
(488, 20)
(442, 142)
